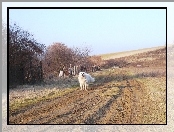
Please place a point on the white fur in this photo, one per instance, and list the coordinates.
(61, 74)
(84, 80)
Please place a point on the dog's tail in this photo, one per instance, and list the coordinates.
(92, 79)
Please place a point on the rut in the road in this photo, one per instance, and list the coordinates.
(123, 109)
(38, 111)
(46, 112)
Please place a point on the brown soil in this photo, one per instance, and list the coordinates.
(115, 103)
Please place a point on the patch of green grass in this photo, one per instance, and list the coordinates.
(24, 102)
(75, 86)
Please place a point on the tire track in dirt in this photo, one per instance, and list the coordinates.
(65, 116)
(127, 108)
(136, 102)
(131, 103)
(76, 113)
(39, 109)
(22, 110)
(45, 112)
(93, 118)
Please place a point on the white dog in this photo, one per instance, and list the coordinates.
(84, 80)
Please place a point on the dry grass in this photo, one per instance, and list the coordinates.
(127, 53)
(23, 98)
(154, 100)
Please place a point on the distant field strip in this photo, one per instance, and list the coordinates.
(127, 53)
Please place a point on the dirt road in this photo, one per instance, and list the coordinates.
(112, 103)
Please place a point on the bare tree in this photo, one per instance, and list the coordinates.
(58, 55)
(24, 53)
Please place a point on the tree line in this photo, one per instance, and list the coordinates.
(30, 62)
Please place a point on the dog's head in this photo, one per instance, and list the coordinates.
(82, 74)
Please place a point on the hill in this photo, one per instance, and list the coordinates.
(127, 53)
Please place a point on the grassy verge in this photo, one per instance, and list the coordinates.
(26, 101)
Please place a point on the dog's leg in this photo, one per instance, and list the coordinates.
(83, 86)
(80, 86)
(86, 86)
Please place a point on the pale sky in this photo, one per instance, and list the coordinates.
(103, 30)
